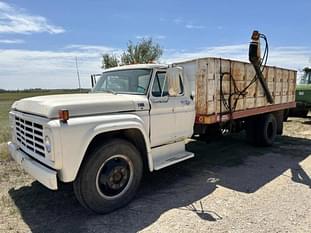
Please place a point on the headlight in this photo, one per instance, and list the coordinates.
(11, 121)
(47, 143)
(12, 127)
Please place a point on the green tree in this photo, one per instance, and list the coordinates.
(109, 61)
(145, 51)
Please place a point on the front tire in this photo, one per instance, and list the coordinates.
(110, 176)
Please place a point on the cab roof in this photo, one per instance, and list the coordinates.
(137, 66)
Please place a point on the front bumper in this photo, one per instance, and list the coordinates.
(44, 175)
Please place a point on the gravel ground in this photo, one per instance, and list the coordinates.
(229, 186)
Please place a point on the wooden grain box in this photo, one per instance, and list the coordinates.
(213, 79)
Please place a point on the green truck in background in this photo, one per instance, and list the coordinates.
(303, 95)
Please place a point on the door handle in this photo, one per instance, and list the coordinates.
(185, 102)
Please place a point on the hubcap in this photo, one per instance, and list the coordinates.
(114, 177)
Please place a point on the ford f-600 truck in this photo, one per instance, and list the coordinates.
(138, 118)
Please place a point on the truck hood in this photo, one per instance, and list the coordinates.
(81, 104)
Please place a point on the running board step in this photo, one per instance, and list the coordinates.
(167, 155)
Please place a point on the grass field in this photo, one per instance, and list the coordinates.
(6, 100)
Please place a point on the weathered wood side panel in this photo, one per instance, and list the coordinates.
(201, 89)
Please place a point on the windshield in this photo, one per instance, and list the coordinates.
(306, 78)
(131, 81)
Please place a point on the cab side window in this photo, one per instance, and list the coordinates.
(176, 87)
(159, 87)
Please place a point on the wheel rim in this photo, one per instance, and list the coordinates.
(114, 177)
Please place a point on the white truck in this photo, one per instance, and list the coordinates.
(139, 117)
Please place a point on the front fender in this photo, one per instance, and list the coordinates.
(79, 132)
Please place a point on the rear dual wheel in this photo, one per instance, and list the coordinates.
(262, 130)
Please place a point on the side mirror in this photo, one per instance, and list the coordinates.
(93, 79)
(173, 76)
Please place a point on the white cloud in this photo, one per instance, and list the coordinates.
(157, 37)
(48, 69)
(287, 57)
(187, 23)
(14, 20)
(15, 41)
(194, 26)
(139, 37)
(92, 48)
(160, 37)
(56, 69)
(178, 20)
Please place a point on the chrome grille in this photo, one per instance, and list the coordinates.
(29, 135)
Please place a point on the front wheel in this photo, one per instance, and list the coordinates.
(110, 176)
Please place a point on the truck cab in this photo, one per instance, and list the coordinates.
(303, 95)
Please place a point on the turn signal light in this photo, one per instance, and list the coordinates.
(63, 115)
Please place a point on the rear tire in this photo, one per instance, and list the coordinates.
(262, 130)
(110, 176)
(286, 115)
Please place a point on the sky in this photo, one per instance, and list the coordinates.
(39, 40)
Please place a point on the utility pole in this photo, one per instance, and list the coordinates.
(78, 74)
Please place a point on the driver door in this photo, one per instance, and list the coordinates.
(162, 117)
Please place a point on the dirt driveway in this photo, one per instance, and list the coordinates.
(229, 186)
